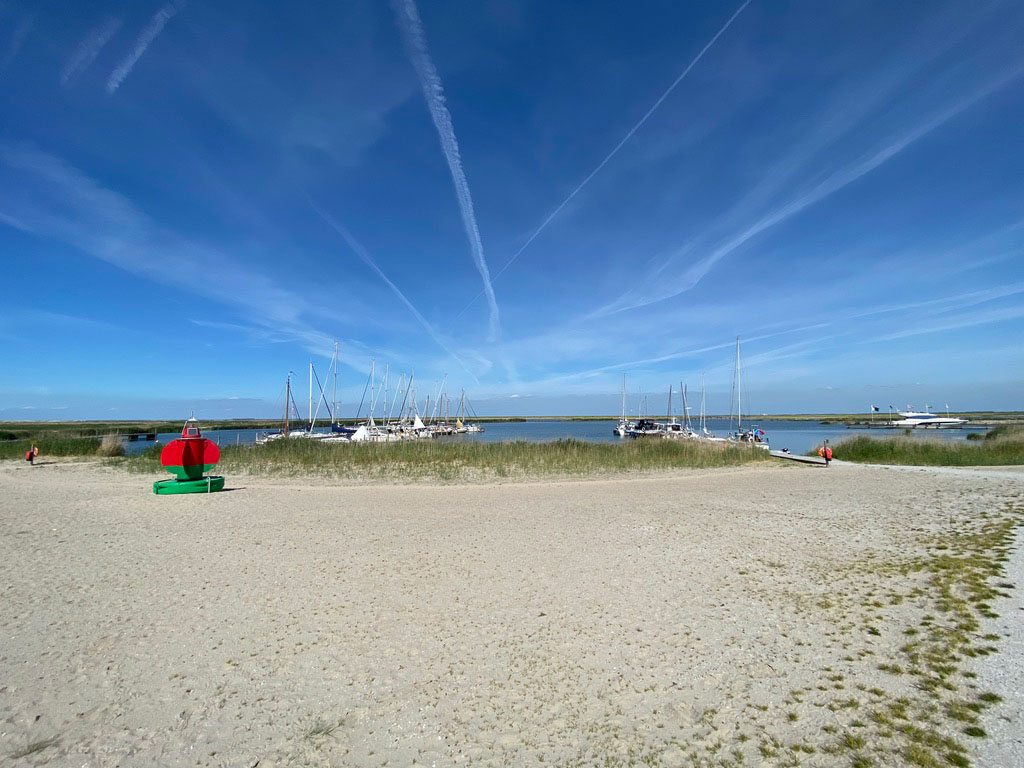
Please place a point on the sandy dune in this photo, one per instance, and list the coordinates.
(695, 618)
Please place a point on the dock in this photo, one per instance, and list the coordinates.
(797, 457)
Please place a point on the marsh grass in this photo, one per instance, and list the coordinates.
(110, 445)
(444, 461)
(1001, 450)
(1005, 432)
(50, 446)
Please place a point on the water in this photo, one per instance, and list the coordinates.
(797, 436)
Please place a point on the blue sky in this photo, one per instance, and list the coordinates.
(530, 197)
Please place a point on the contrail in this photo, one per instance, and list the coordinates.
(147, 36)
(433, 92)
(616, 148)
(89, 49)
(830, 185)
(367, 259)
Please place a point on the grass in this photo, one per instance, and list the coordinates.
(1005, 431)
(322, 728)
(110, 445)
(35, 746)
(449, 462)
(1006, 448)
(50, 446)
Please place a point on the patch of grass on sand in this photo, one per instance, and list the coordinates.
(323, 728)
(443, 461)
(35, 746)
(1006, 448)
(961, 574)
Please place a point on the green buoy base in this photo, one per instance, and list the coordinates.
(208, 484)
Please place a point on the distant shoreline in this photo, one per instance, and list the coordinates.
(88, 427)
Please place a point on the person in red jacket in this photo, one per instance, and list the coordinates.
(30, 455)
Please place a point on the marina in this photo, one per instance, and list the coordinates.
(798, 436)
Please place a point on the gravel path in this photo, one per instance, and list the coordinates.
(1005, 674)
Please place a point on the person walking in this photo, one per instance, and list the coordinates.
(30, 455)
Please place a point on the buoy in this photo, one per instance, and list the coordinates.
(189, 458)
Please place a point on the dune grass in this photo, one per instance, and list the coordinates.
(450, 461)
(1005, 448)
(110, 445)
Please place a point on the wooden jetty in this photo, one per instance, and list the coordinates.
(797, 457)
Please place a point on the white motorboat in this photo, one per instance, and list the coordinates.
(926, 420)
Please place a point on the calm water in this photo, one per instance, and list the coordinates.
(797, 436)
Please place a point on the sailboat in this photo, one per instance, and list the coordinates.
(337, 428)
(289, 404)
(672, 428)
(753, 435)
(461, 425)
(705, 433)
(624, 425)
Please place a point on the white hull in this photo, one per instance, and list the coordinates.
(925, 420)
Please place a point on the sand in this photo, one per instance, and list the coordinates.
(703, 617)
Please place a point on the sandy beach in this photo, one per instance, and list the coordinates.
(722, 617)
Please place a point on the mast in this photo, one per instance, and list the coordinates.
(622, 419)
(686, 405)
(402, 412)
(334, 406)
(669, 418)
(310, 396)
(703, 418)
(739, 389)
(287, 400)
(373, 391)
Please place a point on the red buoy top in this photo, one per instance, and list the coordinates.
(190, 456)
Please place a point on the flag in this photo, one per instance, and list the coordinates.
(874, 407)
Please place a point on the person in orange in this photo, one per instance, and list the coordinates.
(826, 452)
(30, 454)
